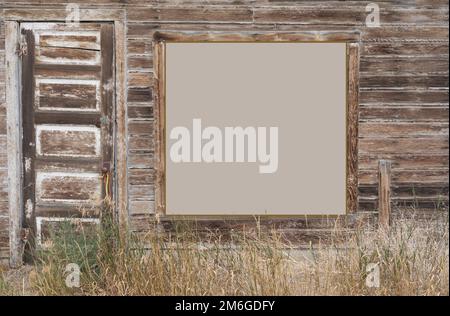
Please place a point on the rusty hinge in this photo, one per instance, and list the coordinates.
(22, 47)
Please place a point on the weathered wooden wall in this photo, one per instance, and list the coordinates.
(403, 86)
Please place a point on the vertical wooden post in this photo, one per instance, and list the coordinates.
(121, 117)
(14, 143)
(384, 193)
(352, 126)
(160, 149)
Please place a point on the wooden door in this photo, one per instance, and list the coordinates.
(67, 113)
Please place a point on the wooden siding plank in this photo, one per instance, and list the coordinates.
(407, 65)
(405, 49)
(141, 176)
(140, 95)
(415, 145)
(141, 208)
(407, 33)
(138, 46)
(191, 14)
(398, 129)
(141, 161)
(404, 113)
(140, 62)
(140, 79)
(56, 14)
(142, 193)
(405, 191)
(351, 15)
(429, 97)
(427, 161)
(384, 34)
(407, 82)
(141, 143)
(410, 177)
(141, 128)
(140, 111)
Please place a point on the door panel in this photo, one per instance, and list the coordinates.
(67, 95)
(68, 102)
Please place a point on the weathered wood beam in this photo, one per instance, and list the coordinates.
(121, 133)
(384, 193)
(14, 143)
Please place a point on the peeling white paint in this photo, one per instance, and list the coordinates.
(66, 61)
(84, 177)
(29, 209)
(27, 164)
(85, 82)
(108, 85)
(66, 43)
(68, 128)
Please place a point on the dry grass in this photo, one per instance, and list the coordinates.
(413, 258)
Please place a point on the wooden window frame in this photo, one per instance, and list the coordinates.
(352, 40)
(13, 18)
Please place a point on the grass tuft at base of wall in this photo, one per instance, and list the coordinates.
(412, 258)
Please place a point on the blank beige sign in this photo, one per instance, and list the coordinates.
(255, 128)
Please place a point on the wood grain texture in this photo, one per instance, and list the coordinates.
(160, 146)
(51, 14)
(51, 141)
(107, 102)
(28, 135)
(67, 95)
(424, 161)
(384, 193)
(121, 134)
(14, 143)
(410, 177)
(316, 36)
(68, 127)
(403, 82)
(352, 126)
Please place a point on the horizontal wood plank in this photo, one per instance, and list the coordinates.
(439, 177)
(202, 14)
(401, 160)
(404, 145)
(395, 129)
(404, 113)
(398, 66)
(407, 82)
